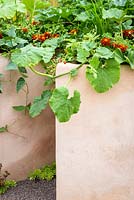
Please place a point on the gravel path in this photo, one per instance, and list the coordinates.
(31, 190)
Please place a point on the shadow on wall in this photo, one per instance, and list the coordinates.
(29, 143)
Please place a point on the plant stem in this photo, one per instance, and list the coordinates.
(40, 73)
(53, 77)
(66, 73)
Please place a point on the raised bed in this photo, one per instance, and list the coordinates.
(28, 143)
(95, 150)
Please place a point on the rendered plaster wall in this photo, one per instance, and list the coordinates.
(95, 150)
(30, 143)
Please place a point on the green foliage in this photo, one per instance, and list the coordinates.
(21, 108)
(40, 103)
(48, 172)
(4, 129)
(103, 76)
(59, 100)
(20, 84)
(32, 32)
(8, 184)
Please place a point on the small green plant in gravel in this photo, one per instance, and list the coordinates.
(47, 172)
(5, 184)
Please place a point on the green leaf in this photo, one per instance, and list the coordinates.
(63, 107)
(4, 129)
(11, 66)
(48, 54)
(1, 75)
(30, 56)
(20, 84)
(95, 62)
(48, 82)
(106, 76)
(19, 108)
(103, 52)
(82, 55)
(119, 57)
(7, 10)
(12, 32)
(119, 2)
(53, 43)
(82, 17)
(40, 103)
(130, 58)
(114, 13)
(74, 72)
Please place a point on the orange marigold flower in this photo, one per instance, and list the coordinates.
(1, 36)
(114, 45)
(34, 37)
(128, 33)
(47, 34)
(73, 32)
(55, 35)
(35, 23)
(122, 47)
(106, 41)
(25, 30)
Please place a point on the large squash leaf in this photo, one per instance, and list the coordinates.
(63, 107)
(31, 56)
(106, 75)
(40, 103)
(8, 9)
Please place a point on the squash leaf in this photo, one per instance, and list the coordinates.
(106, 75)
(63, 107)
(40, 103)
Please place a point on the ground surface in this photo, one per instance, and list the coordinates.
(30, 190)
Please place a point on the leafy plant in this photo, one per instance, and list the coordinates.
(5, 184)
(47, 172)
(99, 34)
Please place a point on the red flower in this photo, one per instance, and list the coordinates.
(35, 23)
(128, 33)
(34, 37)
(122, 47)
(47, 34)
(1, 36)
(106, 41)
(25, 30)
(55, 35)
(73, 32)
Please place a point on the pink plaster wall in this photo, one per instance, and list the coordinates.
(30, 143)
(95, 150)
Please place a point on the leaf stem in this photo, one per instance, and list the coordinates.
(40, 73)
(66, 73)
(53, 77)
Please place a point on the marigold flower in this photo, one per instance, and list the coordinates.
(1, 36)
(106, 41)
(73, 32)
(122, 47)
(25, 30)
(47, 34)
(128, 33)
(55, 35)
(34, 37)
(35, 23)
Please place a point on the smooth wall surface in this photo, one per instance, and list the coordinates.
(95, 150)
(29, 143)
